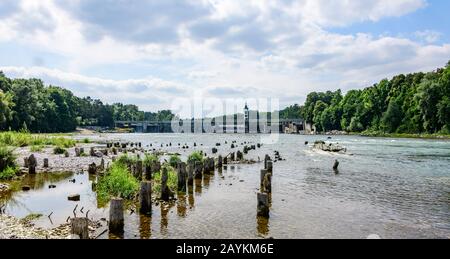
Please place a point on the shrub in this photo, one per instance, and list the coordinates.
(150, 159)
(174, 160)
(23, 139)
(36, 148)
(118, 182)
(59, 150)
(7, 158)
(195, 157)
(8, 173)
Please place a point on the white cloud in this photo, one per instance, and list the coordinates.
(281, 47)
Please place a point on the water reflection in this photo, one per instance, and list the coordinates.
(262, 226)
(145, 226)
(198, 186)
(181, 205)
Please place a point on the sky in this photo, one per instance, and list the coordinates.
(150, 53)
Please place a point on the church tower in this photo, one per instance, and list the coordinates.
(247, 118)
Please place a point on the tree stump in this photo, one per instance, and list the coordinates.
(32, 163)
(219, 162)
(262, 177)
(263, 205)
(45, 162)
(145, 198)
(198, 169)
(182, 175)
(77, 152)
(190, 175)
(116, 218)
(166, 193)
(80, 227)
(92, 168)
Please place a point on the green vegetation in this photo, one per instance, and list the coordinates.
(26, 104)
(23, 139)
(195, 157)
(172, 181)
(150, 159)
(118, 182)
(59, 151)
(407, 104)
(8, 173)
(8, 167)
(36, 148)
(174, 160)
(86, 141)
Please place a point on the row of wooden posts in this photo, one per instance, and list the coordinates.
(264, 196)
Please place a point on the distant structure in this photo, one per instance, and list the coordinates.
(250, 122)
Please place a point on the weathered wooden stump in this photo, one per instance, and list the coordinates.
(263, 205)
(77, 152)
(239, 156)
(198, 169)
(66, 154)
(214, 150)
(190, 174)
(102, 165)
(267, 183)
(166, 193)
(233, 156)
(145, 198)
(32, 164)
(116, 218)
(92, 168)
(336, 166)
(264, 172)
(270, 166)
(80, 227)
(139, 169)
(114, 150)
(92, 152)
(182, 175)
(225, 160)
(219, 162)
(45, 162)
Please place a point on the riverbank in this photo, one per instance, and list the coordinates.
(403, 135)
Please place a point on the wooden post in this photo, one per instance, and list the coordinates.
(181, 170)
(267, 184)
(32, 163)
(198, 168)
(145, 198)
(92, 168)
(233, 156)
(263, 176)
(139, 169)
(190, 174)
(270, 166)
(116, 218)
(81, 151)
(45, 162)
(26, 164)
(225, 160)
(92, 152)
(165, 191)
(263, 205)
(80, 227)
(336, 165)
(77, 152)
(266, 159)
(219, 162)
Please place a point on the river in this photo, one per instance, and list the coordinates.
(394, 188)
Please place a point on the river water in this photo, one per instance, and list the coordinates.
(395, 188)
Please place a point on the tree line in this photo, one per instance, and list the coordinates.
(412, 103)
(27, 104)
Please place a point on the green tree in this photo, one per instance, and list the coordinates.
(392, 118)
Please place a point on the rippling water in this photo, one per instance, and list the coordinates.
(396, 188)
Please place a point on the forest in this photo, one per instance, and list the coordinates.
(27, 104)
(412, 103)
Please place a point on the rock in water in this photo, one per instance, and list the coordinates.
(75, 197)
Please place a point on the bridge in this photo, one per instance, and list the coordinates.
(290, 126)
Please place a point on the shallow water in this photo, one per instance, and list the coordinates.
(396, 188)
